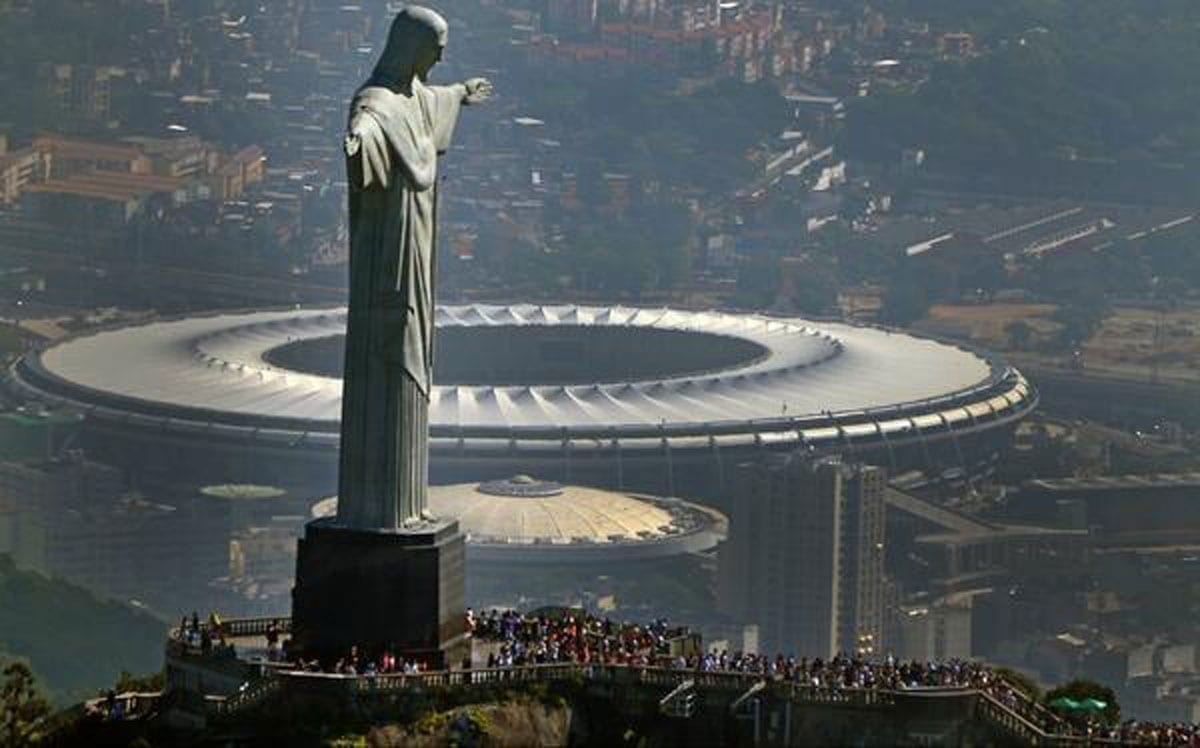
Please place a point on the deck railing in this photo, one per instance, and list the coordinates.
(240, 628)
(127, 705)
(1027, 720)
(364, 685)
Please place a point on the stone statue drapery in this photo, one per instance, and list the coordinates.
(398, 127)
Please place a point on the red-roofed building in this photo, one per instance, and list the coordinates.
(111, 181)
(65, 155)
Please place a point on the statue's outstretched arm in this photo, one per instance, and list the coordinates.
(445, 103)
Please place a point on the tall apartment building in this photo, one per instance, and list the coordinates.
(85, 91)
(804, 559)
(70, 518)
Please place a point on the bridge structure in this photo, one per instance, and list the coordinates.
(220, 683)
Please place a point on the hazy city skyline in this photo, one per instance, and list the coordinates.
(813, 327)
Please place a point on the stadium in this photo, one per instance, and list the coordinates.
(660, 401)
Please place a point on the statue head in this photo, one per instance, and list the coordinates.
(415, 43)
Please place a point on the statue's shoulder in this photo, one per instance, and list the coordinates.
(372, 97)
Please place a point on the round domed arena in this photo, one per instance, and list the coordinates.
(521, 520)
(246, 504)
(661, 401)
(540, 542)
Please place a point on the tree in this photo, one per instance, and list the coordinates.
(1080, 689)
(75, 642)
(1019, 334)
(1080, 320)
(22, 708)
(1019, 681)
(904, 303)
(811, 287)
(127, 682)
(757, 281)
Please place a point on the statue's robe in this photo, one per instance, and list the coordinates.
(389, 338)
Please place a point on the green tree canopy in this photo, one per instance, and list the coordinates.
(22, 707)
(74, 642)
(1020, 681)
(1107, 78)
(1080, 689)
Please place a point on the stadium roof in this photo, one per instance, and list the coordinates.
(819, 379)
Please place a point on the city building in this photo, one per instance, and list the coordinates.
(702, 38)
(105, 184)
(36, 436)
(233, 175)
(804, 560)
(83, 92)
(958, 44)
(1121, 510)
(940, 630)
(569, 16)
(943, 550)
(19, 169)
(267, 554)
(39, 486)
(66, 156)
(101, 200)
(71, 517)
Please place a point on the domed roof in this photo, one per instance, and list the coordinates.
(568, 514)
(525, 517)
(521, 485)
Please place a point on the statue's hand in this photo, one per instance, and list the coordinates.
(359, 126)
(478, 90)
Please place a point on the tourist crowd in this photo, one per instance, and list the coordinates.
(355, 663)
(573, 637)
(208, 637)
(570, 637)
(512, 639)
(1133, 732)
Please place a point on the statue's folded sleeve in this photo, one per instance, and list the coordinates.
(370, 164)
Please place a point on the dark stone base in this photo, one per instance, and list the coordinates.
(402, 591)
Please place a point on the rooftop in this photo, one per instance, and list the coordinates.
(1118, 482)
(521, 518)
(109, 185)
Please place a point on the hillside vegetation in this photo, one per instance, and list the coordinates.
(1107, 78)
(74, 642)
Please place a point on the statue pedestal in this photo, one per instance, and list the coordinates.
(399, 590)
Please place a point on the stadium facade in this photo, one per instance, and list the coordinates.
(659, 401)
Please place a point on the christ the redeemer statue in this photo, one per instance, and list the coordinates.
(398, 127)
(383, 576)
